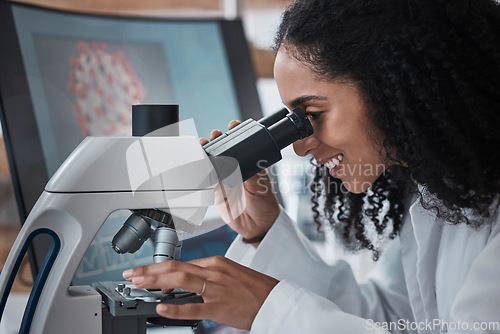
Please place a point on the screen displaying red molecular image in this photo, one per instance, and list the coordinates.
(90, 86)
(84, 73)
(105, 86)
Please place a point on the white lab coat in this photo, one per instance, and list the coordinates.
(433, 278)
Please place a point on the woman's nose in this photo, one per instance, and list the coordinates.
(304, 146)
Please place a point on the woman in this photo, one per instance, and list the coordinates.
(403, 96)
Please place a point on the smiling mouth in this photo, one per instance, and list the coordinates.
(334, 161)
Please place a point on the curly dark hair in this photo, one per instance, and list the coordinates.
(431, 70)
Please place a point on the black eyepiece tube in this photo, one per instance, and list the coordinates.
(293, 127)
(273, 118)
(254, 146)
(147, 118)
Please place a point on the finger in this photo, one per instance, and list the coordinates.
(219, 264)
(203, 141)
(217, 261)
(214, 134)
(233, 124)
(161, 268)
(213, 264)
(187, 311)
(177, 280)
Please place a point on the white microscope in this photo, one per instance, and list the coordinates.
(167, 182)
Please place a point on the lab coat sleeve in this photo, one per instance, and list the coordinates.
(477, 304)
(312, 293)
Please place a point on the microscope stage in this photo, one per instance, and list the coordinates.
(124, 299)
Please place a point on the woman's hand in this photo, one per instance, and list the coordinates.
(261, 209)
(232, 293)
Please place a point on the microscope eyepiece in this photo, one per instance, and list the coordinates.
(256, 145)
(269, 120)
(294, 126)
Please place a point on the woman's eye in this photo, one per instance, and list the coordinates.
(313, 115)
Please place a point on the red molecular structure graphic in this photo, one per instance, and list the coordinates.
(105, 86)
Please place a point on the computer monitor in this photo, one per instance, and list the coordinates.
(64, 76)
